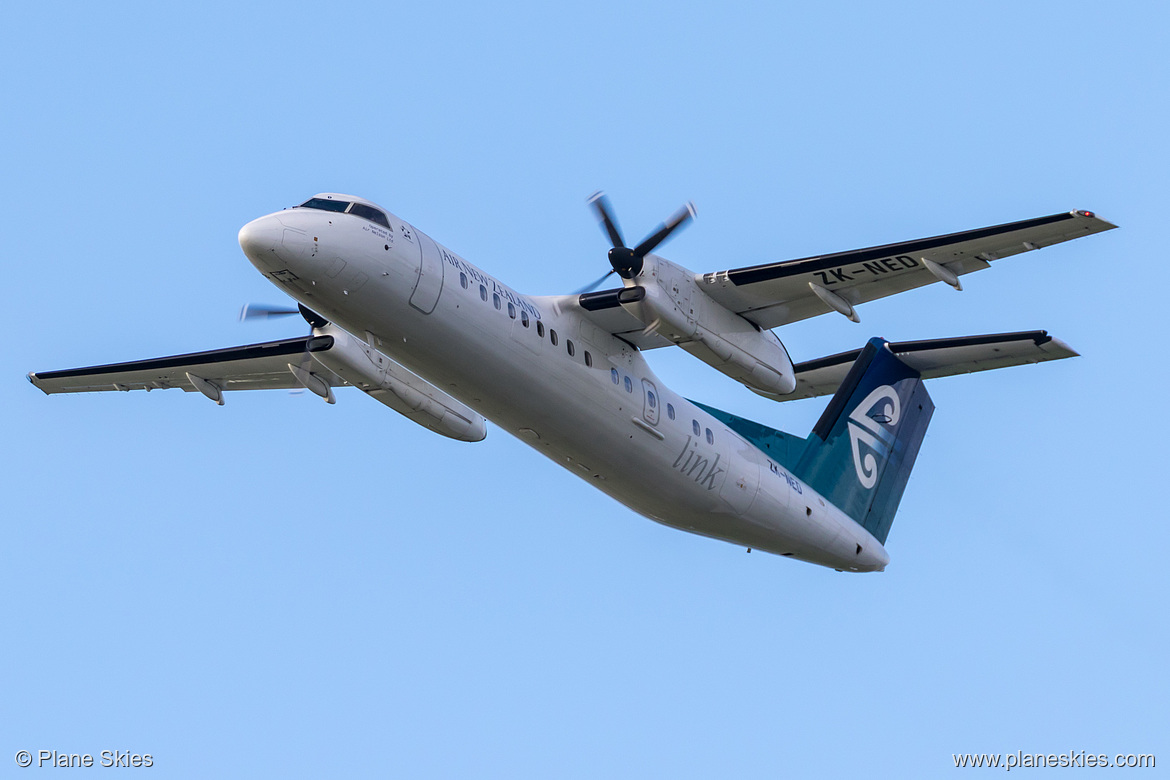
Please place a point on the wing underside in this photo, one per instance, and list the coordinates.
(776, 294)
(250, 367)
(779, 293)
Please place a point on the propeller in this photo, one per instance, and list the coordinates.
(594, 285)
(626, 262)
(260, 311)
(303, 369)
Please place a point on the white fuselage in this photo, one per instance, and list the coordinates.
(600, 412)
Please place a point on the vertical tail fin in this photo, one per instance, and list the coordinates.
(861, 451)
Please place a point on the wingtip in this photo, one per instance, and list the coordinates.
(32, 379)
(1063, 346)
(1095, 217)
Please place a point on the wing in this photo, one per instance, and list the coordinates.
(778, 293)
(935, 358)
(252, 367)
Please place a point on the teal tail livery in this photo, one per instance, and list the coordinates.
(860, 453)
(862, 449)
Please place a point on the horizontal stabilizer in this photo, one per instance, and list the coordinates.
(936, 358)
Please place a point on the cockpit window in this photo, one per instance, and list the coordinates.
(325, 205)
(370, 213)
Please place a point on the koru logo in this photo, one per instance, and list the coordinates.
(872, 424)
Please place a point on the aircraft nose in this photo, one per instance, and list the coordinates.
(260, 238)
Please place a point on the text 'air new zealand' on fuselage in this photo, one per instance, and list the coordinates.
(417, 327)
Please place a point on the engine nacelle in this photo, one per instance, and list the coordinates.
(756, 359)
(368, 369)
(712, 333)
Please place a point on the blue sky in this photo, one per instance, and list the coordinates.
(282, 587)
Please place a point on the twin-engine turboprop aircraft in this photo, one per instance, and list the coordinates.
(420, 329)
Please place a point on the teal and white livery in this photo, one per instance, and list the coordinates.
(409, 322)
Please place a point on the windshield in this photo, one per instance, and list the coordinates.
(341, 206)
(370, 213)
(325, 205)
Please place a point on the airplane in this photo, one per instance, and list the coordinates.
(415, 326)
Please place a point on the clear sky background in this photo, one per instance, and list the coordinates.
(283, 588)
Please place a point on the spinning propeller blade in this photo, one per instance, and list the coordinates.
(594, 285)
(677, 220)
(260, 311)
(604, 210)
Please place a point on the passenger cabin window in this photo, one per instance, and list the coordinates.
(511, 310)
(463, 280)
(370, 213)
(482, 293)
(524, 318)
(670, 411)
(710, 437)
(325, 205)
(695, 427)
(613, 374)
(552, 337)
(496, 300)
(588, 359)
(540, 328)
(569, 346)
(629, 385)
